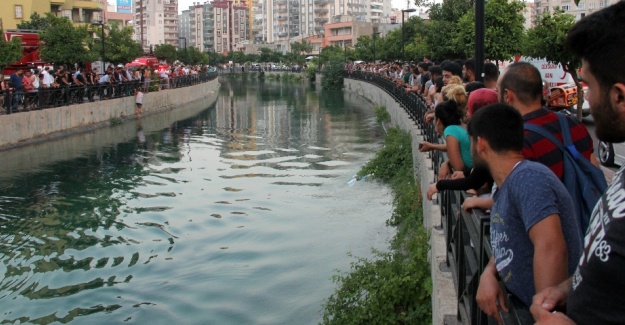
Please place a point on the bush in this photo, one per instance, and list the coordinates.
(393, 287)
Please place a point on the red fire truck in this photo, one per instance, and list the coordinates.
(30, 50)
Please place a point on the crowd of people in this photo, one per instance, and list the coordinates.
(556, 265)
(48, 87)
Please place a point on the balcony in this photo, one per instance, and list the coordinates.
(321, 11)
(319, 28)
(354, 5)
(282, 34)
(281, 3)
(283, 10)
(89, 4)
(282, 18)
(321, 2)
(376, 10)
(321, 20)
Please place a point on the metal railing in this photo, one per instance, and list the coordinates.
(467, 234)
(15, 101)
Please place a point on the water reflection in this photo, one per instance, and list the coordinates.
(236, 213)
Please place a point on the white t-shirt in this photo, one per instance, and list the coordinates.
(139, 98)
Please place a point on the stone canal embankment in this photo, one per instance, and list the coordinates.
(443, 291)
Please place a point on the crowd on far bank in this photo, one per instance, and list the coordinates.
(27, 89)
(557, 254)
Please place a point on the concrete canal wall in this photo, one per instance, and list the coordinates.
(444, 302)
(36, 126)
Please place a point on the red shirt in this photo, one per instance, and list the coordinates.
(539, 149)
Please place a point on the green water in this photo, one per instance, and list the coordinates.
(234, 211)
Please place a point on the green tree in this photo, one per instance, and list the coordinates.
(504, 34)
(166, 52)
(196, 57)
(364, 47)
(119, 45)
(443, 26)
(332, 73)
(546, 40)
(329, 52)
(64, 43)
(36, 22)
(10, 51)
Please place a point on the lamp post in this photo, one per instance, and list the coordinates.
(374, 34)
(101, 23)
(403, 58)
(185, 49)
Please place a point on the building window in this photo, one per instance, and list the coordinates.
(581, 6)
(565, 7)
(18, 12)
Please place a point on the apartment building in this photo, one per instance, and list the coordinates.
(581, 10)
(80, 12)
(156, 22)
(230, 22)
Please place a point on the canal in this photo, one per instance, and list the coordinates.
(238, 213)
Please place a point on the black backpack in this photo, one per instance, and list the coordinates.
(584, 181)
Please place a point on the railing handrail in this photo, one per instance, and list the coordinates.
(15, 101)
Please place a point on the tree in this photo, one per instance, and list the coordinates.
(64, 44)
(546, 40)
(119, 45)
(302, 47)
(166, 52)
(442, 28)
(504, 30)
(36, 22)
(364, 47)
(332, 73)
(195, 57)
(10, 51)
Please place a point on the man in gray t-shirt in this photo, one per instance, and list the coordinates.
(535, 240)
(529, 194)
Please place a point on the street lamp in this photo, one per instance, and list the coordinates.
(185, 49)
(403, 58)
(101, 23)
(374, 34)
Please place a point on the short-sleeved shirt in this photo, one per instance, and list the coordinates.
(528, 195)
(462, 136)
(539, 149)
(598, 286)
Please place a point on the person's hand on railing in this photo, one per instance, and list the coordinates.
(476, 202)
(457, 174)
(444, 171)
(490, 297)
(432, 190)
(546, 301)
(425, 146)
(428, 117)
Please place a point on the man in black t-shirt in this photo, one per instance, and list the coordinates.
(595, 294)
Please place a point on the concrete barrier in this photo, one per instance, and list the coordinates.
(40, 125)
(444, 304)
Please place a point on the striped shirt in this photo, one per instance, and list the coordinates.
(539, 149)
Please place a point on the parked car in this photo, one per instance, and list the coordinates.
(611, 154)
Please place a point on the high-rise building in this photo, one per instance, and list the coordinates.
(80, 12)
(581, 10)
(156, 22)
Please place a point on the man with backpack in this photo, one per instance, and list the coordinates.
(546, 135)
(594, 294)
